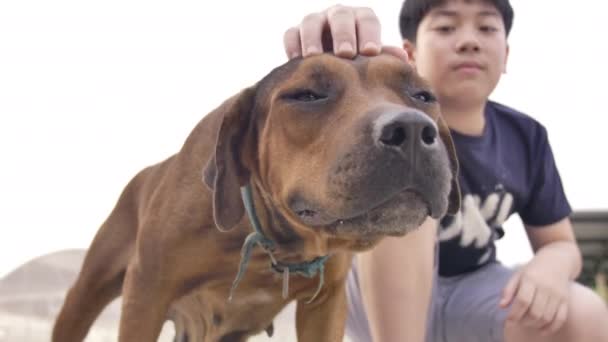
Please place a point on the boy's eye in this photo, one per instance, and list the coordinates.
(445, 29)
(424, 96)
(488, 29)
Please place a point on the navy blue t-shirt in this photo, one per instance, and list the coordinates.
(508, 169)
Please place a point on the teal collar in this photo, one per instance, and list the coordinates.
(307, 269)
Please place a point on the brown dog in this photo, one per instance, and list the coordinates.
(337, 154)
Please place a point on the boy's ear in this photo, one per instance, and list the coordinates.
(410, 49)
(504, 67)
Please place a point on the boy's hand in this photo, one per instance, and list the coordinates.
(341, 26)
(347, 31)
(538, 293)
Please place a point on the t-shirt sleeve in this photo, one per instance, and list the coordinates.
(547, 202)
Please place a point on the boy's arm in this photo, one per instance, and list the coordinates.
(396, 279)
(538, 292)
(557, 243)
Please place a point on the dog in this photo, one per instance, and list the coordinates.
(266, 202)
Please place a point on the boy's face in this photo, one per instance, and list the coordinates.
(461, 49)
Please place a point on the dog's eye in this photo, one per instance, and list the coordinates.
(305, 96)
(424, 96)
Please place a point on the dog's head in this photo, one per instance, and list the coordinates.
(347, 147)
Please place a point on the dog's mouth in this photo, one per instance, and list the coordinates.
(395, 216)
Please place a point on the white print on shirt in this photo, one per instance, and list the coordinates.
(471, 222)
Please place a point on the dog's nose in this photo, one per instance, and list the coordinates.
(404, 129)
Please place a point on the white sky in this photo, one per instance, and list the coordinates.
(91, 92)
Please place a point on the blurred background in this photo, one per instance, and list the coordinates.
(92, 91)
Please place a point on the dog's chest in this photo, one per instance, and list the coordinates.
(250, 311)
(256, 297)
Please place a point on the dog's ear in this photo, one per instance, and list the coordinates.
(225, 173)
(446, 137)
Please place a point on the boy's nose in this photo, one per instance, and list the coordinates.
(469, 46)
(468, 42)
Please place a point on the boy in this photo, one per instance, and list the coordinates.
(506, 165)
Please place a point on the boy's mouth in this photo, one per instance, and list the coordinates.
(468, 65)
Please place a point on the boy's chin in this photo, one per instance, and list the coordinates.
(466, 94)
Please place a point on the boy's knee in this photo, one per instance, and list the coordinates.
(587, 321)
(588, 316)
(589, 303)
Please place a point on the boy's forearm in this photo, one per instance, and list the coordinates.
(566, 254)
(396, 280)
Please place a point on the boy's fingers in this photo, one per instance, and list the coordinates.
(368, 31)
(311, 31)
(522, 301)
(291, 42)
(549, 315)
(509, 291)
(397, 52)
(535, 314)
(560, 318)
(343, 31)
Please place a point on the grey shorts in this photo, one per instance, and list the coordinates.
(463, 308)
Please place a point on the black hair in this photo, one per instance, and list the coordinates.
(413, 11)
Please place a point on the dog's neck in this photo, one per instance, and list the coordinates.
(307, 268)
(297, 243)
(293, 244)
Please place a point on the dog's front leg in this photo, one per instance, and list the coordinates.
(325, 318)
(146, 300)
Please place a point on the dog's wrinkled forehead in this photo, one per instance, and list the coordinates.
(319, 69)
(328, 71)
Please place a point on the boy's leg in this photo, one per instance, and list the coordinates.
(587, 320)
(471, 312)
